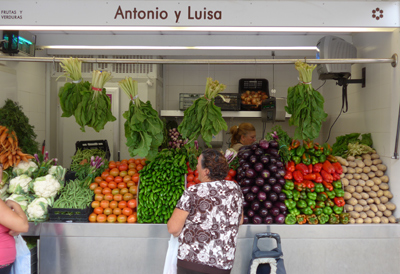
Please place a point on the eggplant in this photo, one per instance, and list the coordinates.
(245, 219)
(264, 144)
(258, 166)
(280, 219)
(255, 189)
(272, 196)
(281, 206)
(246, 182)
(279, 164)
(250, 197)
(273, 144)
(246, 154)
(273, 151)
(274, 211)
(266, 188)
(250, 213)
(246, 166)
(263, 212)
(277, 188)
(271, 180)
(239, 177)
(273, 160)
(251, 173)
(259, 151)
(259, 181)
(281, 181)
(268, 219)
(243, 173)
(257, 220)
(239, 169)
(264, 159)
(273, 168)
(244, 148)
(282, 196)
(255, 205)
(265, 173)
(241, 161)
(268, 204)
(245, 204)
(261, 196)
(253, 159)
(254, 146)
(281, 172)
(245, 190)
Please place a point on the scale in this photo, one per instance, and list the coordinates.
(273, 109)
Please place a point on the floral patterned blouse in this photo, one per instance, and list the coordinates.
(210, 231)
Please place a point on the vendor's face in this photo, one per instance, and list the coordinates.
(248, 138)
(202, 172)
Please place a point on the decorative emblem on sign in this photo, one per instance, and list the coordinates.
(377, 13)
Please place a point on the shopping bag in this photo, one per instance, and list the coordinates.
(22, 264)
(172, 256)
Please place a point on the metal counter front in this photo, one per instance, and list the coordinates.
(72, 248)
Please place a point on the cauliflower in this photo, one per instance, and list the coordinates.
(38, 209)
(46, 186)
(20, 199)
(19, 185)
(3, 192)
(4, 176)
(25, 168)
(58, 172)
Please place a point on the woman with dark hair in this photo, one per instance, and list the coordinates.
(207, 218)
(242, 135)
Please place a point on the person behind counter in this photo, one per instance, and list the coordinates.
(207, 218)
(242, 135)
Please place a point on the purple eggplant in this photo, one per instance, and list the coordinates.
(281, 172)
(273, 151)
(282, 196)
(263, 212)
(265, 173)
(277, 188)
(246, 154)
(274, 211)
(273, 144)
(259, 181)
(281, 206)
(268, 219)
(241, 161)
(258, 166)
(246, 203)
(246, 182)
(264, 159)
(245, 190)
(245, 219)
(254, 146)
(250, 197)
(259, 151)
(255, 189)
(246, 166)
(251, 173)
(257, 220)
(281, 181)
(266, 188)
(272, 168)
(268, 204)
(272, 196)
(264, 144)
(253, 159)
(279, 164)
(273, 160)
(250, 213)
(271, 180)
(261, 196)
(280, 219)
(255, 206)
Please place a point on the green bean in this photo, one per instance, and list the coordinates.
(81, 155)
(74, 195)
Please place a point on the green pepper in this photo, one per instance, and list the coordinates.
(333, 218)
(295, 211)
(318, 152)
(312, 219)
(329, 202)
(314, 160)
(339, 192)
(288, 193)
(306, 210)
(337, 209)
(289, 185)
(327, 149)
(296, 159)
(290, 203)
(337, 184)
(327, 210)
(301, 204)
(310, 151)
(290, 219)
(331, 194)
(312, 195)
(296, 194)
(320, 204)
(300, 151)
(318, 211)
(319, 187)
(323, 218)
(303, 195)
(301, 219)
(306, 159)
(322, 196)
(322, 158)
(344, 218)
(310, 203)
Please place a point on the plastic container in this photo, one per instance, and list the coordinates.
(233, 105)
(253, 86)
(187, 99)
(94, 144)
(69, 215)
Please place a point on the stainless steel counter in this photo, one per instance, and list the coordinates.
(140, 248)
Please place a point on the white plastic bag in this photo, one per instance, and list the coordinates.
(172, 256)
(22, 264)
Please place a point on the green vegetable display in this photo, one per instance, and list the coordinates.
(203, 117)
(144, 129)
(83, 155)
(74, 195)
(341, 147)
(306, 105)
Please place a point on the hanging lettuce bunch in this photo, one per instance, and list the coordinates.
(203, 117)
(144, 129)
(70, 94)
(94, 110)
(306, 105)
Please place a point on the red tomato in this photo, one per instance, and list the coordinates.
(114, 172)
(118, 197)
(98, 210)
(124, 161)
(104, 175)
(92, 217)
(123, 167)
(98, 190)
(113, 204)
(95, 204)
(122, 204)
(112, 185)
(139, 167)
(131, 172)
(98, 179)
(108, 211)
(103, 184)
(123, 191)
(129, 184)
(132, 218)
(123, 173)
(190, 178)
(143, 162)
(121, 185)
(228, 178)
(121, 218)
(127, 211)
(106, 190)
(115, 191)
(112, 165)
(133, 190)
(197, 180)
(190, 184)
(196, 173)
(109, 178)
(135, 177)
(98, 197)
(118, 179)
(108, 197)
(128, 196)
(93, 186)
(126, 179)
(105, 204)
(232, 173)
(117, 211)
(132, 166)
(137, 161)
(112, 218)
(131, 203)
(101, 218)
(190, 171)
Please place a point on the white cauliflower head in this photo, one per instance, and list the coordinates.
(19, 185)
(37, 210)
(58, 172)
(46, 186)
(25, 168)
(20, 199)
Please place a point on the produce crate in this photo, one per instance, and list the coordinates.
(94, 144)
(187, 99)
(253, 85)
(233, 105)
(69, 215)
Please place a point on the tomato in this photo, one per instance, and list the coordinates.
(131, 203)
(98, 179)
(131, 172)
(232, 173)
(122, 185)
(187, 164)
(112, 218)
(109, 178)
(197, 180)
(190, 178)
(133, 190)
(129, 184)
(132, 218)
(123, 173)
(196, 173)
(117, 211)
(92, 217)
(114, 172)
(106, 190)
(121, 218)
(135, 177)
(122, 204)
(124, 161)
(190, 171)
(139, 167)
(189, 184)
(108, 197)
(126, 178)
(127, 211)
(105, 204)
(115, 191)
(118, 179)
(112, 165)
(127, 196)
(113, 204)
(112, 184)
(104, 175)
(98, 210)
(98, 197)
(95, 204)
(107, 169)
(228, 178)
(132, 166)
(124, 191)
(118, 197)
(98, 190)
(101, 218)
(137, 161)
(93, 186)
(103, 184)
(143, 162)
(123, 167)
(131, 161)
(118, 163)
(107, 211)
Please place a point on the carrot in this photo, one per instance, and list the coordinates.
(17, 161)
(19, 152)
(5, 166)
(3, 136)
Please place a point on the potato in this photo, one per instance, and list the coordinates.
(376, 220)
(353, 201)
(372, 194)
(374, 168)
(347, 196)
(377, 200)
(384, 199)
(342, 161)
(364, 176)
(359, 221)
(369, 183)
(376, 162)
(361, 182)
(364, 195)
(358, 157)
(390, 206)
(358, 208)
(366, 208)
(377, 181)
(366, 169)
(379, 213)
(354, 214)
(382, 167)
(348, 176)
(375, 156)
(371, 174)
(342, 175)
(366, 156)
(384, 186)
(359, 189)
(350, 159)
(370, 201)
(373, 208)
(345, 182)
(356, 195)
(387, 213)
(354, 182)
(362, 202)
(392, 219)
(384, 179)
(360, 163)
(348, 208)
(356, 176)
(344, 169)
(350, 189)
(379, 173)
(363, 215)
(379, 193)
(351, 170)
(368, 162)
(367, 220)
(384, 220)
(370, 214)
(381, 207)
(388, 194)
(351, 165)
(375, 188)
(366, 188)
(352, 221)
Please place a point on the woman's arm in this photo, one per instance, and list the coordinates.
(177, 221)
(13, 217)
(241, 219)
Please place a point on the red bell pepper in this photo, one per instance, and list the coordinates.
(295, 144)
(318, 178)
(290, 166)
(327, 166)
(331, 158)
(310, 177)
(317, 168)
(336, 176)
(327, 185)
(298, 176)
(339, 201)
(326, 176)
(308, 144)
(310, 168)
(302, 168)
(338, 168)
(309, 185)
(288, 175)
(299, 186)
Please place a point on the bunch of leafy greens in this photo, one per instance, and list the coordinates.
(70, 94)
(144, 129)
(12, 116)
(341, 147)
(284, 141)
(306, 105)
(203, 117)
(95, 108)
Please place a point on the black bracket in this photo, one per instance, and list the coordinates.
(344, 81)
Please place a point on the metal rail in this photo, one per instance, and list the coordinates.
(393, 60)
